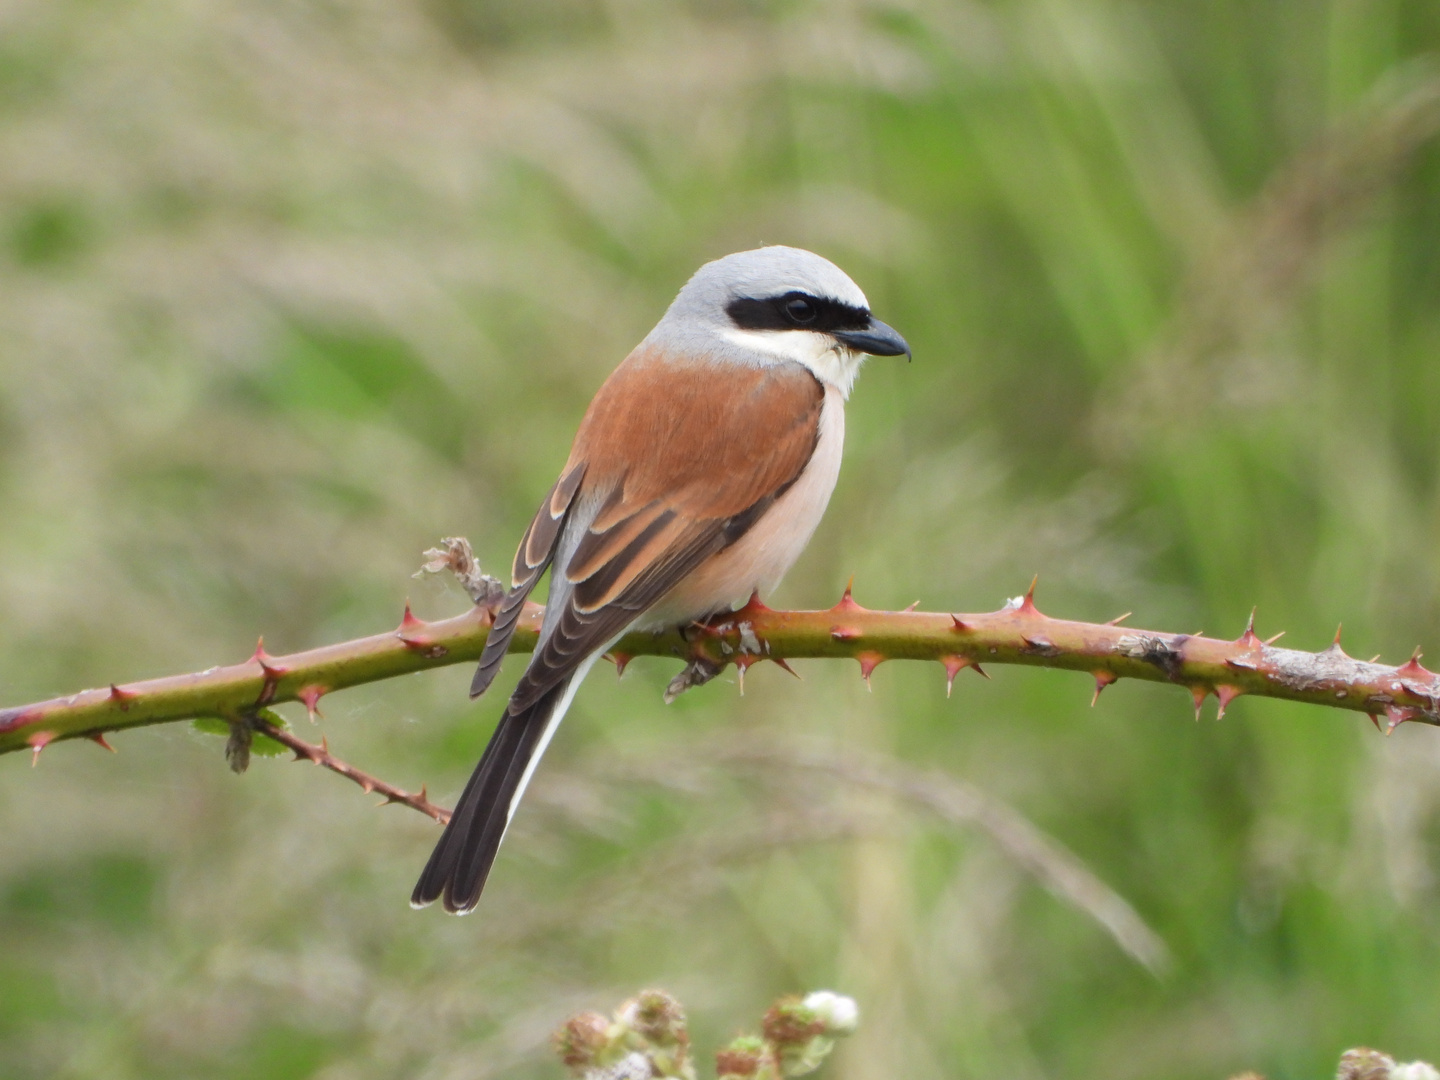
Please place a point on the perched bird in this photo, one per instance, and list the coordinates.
(697, 477)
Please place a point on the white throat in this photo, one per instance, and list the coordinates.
(829, 361)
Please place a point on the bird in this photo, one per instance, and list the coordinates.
(697, 476)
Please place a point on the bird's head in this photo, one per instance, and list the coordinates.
(779, 303)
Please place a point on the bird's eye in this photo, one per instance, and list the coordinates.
(800, 310)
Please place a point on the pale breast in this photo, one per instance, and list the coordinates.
(760, 558)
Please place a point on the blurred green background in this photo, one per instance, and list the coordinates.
(291, 288)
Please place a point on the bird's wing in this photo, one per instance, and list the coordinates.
(537, 548)
(676, 460)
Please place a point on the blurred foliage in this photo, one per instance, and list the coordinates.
(649, 1036)
(291, 288)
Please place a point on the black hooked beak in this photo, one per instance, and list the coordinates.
(877, 339)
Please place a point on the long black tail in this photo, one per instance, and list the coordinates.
(461, 860)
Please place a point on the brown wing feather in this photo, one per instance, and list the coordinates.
(680, 483)
(598, 546)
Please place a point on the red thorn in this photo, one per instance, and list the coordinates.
(1335, 649)
(780, 661)
(310, 696)
(1226, 693)
(742, 662)
(960, 626)
(844, 633)
(38, 742)
(847, 601)
(1118, 619)
(122, 697)
(267, 663)
(260, 656)
(1275, 638)
(98, 738)
(1375, 719)
(408, 633)
(1199, 692)
(621, 661)
(980, 670)
(753, 606)
(408, 621)
(869, 661)
(1412, 668)
(954, 664)
(1397, 715)
(1027, 605)
(1103, 679)
(1248, 640)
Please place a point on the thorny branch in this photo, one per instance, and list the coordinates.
(320, 755)
(1018, 633)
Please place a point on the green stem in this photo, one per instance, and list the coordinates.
(1016, 634)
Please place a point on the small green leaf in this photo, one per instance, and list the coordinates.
(265, 746)
(261, 744)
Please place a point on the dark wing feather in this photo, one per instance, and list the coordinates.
(462, 859)
(586, 625)
(537, 548)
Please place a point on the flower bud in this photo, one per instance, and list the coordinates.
(582, 1040)
(743, 1059)
(839, 1014)
(802, 1031)
(1362, 1063)
(658, 1017)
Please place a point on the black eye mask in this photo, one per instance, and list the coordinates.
(796, 311)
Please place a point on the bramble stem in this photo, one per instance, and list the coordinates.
(1016, 634)
(320, 755)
